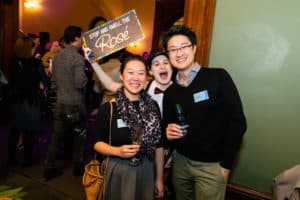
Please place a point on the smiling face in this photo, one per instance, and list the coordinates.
(134, 79)
(181, 52)
(161, 70)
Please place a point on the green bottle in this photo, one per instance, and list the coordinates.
(182, 119)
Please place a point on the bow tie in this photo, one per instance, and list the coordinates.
(158, 91)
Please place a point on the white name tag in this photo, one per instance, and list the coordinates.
(121, 123)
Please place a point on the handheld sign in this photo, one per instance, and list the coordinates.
(113, 35)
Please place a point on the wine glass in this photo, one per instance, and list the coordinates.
(136, 138)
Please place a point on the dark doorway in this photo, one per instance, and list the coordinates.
(166, 13)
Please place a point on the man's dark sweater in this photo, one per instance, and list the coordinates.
(214, 112)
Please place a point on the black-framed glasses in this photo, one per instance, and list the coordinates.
(184, 48)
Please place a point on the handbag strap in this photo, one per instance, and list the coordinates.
(110, 124)
(110, 120)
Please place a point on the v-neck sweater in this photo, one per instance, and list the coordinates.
(213, 108)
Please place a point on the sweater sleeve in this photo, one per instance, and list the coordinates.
(101, 130)
(236, 126)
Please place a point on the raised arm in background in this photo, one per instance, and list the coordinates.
(107, 82)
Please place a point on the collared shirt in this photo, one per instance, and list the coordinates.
(193, 73)
(156, 97)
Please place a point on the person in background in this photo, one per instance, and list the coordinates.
(70, 116)
(97, 21)
(48, 56)
(145, 55)
(61, 42)
(37, 51)
(112, 68)
(210, 101)
(95, 90)
(24, 87)
(132, 108)
(51, 95)
(3, 85)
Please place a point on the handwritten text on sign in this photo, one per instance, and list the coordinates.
(113, 35)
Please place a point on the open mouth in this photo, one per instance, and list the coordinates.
(163, 75)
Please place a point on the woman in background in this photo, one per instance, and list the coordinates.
(48, 56)
(24, 87)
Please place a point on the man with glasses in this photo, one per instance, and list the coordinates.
(205, 152)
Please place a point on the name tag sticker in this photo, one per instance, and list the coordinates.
(201, 96)
(121, 123)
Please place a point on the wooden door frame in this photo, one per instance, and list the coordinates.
(166, 13)
(9, 16)
(199, 16)
(9, 31)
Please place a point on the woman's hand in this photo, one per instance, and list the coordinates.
(159, 189)
(128, 151)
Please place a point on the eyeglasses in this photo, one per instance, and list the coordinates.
(173, 51)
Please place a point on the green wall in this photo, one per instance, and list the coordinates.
(258, 42)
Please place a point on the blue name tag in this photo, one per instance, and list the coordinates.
(201, 96)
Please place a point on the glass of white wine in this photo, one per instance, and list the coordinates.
(136, 138)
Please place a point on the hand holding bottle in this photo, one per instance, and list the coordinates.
(182, 120)
(174, 131)
(180, 129)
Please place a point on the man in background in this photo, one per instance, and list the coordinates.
(70, 115)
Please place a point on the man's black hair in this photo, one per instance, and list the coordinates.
(179, 30)
(71, 32)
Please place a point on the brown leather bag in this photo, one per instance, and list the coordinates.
(93, 180)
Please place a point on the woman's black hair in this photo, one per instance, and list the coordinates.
(129, 57)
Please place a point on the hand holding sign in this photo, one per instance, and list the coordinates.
(87, 53)
(113, 35)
